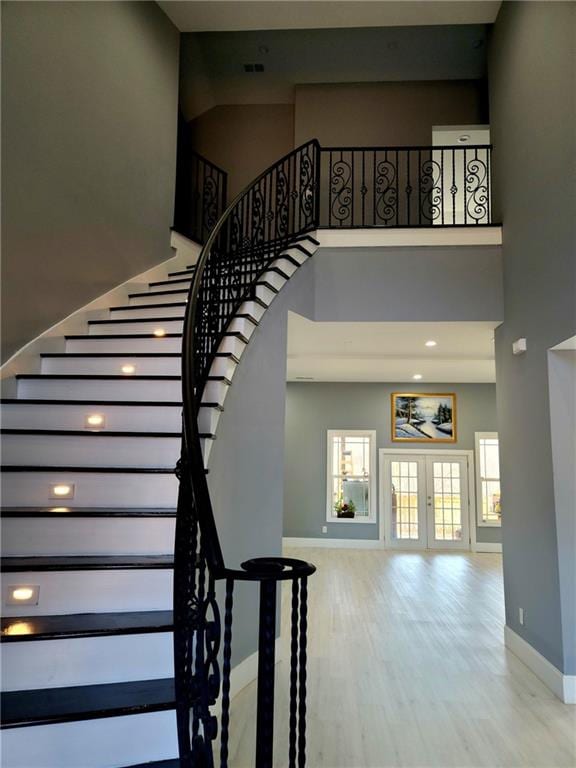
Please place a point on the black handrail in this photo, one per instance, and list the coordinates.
(280, 205)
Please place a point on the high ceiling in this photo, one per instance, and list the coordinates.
(239, 15)
(390, 351)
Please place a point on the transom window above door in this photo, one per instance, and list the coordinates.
(351, 476)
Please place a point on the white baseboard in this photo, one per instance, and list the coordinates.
(563, 686)
(482, 546)
(290, 541)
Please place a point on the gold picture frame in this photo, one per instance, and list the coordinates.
(423, 417)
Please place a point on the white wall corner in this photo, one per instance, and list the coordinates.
(563, 686)
(185, 247)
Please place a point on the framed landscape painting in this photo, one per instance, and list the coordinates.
(423, 417)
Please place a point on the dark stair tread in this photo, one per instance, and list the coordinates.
(88, 433)
(85, 563)
(301, 238)
(117, 403)
(87, 470)
(136, 320)
(267, 285)
(81, 355)
(97, 376)
(278, 271)
(154, 294)
(171, 282)
(237, 335)
(174, 763)
(55, 512)
(18, 629)
(135, 307)
(191, 271)
(86, 702)
(101, 336)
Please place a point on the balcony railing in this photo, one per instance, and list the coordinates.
(404, 186)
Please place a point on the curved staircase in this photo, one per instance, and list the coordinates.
(88, 673)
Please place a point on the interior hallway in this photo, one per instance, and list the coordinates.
(407, 667)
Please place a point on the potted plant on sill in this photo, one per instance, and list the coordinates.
(346, 509)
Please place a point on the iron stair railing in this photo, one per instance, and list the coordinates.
(280, 205)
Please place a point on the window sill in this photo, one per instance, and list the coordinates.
(361, 520)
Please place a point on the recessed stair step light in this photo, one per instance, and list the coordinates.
(159, 332)
(23, 594)
(431, 343)
(62, 491)
(128, 369)
(417, 376)
(95, 421)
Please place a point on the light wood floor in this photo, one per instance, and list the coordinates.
(407, 667)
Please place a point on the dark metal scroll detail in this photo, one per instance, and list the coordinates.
(386, 194)
(404, 186)
(477, 189)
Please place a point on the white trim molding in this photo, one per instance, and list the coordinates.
(291, 541)
(487, 546)
(409, 236)
(563, 686)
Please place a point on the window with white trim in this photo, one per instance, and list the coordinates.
(351, 480)
(488, 479)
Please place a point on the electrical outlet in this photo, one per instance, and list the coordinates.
(521, 616)
(324, 529)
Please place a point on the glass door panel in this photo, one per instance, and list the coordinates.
(405, 501)
(447, 502)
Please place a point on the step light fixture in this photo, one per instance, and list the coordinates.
(417, 376)
(431, 343)
(95, 421)
(128, 369)
(19, 628)
(159, 332)
(23, 594)
(62, 490)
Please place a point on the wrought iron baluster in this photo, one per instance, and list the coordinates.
(302, 673)
(293, 724)
(226, 667)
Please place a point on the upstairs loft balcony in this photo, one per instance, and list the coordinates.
(349, 188)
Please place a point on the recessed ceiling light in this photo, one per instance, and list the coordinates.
(417, 376)
(128, 369)
(431, 343)
(464, 138)
(159, 332)
(62, 491)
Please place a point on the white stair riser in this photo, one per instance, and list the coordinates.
(101, 389)
(149, 326)
(274, 279)
(208, 419)
(264, 294)
(104, 743)
(63, 592)
(143, 312)
(92, 489)
(174, 285)
(233, 345)
(223, 366)
(87, 536)
(86, 661)
(215, 392)
(286, 266)
(206, 445)
(145, 366)
(252, 308)
(297, 254)
(128, 345)
(117, 418)
(164, 298)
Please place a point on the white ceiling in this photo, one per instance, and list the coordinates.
(390, 351)
(241, 15)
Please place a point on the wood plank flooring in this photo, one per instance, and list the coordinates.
(407, 669)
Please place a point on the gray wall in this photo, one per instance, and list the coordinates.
(89, 109)
(313, 408)
(251, 432)
(532, 94)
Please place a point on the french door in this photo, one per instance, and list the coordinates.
(425, 500)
